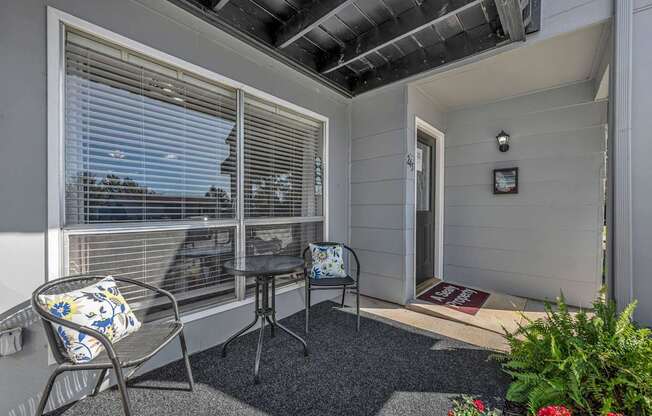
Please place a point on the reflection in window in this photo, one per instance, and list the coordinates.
(284, 239)
(184, 262)
(280, 154)
(424, 176)
(142, 146)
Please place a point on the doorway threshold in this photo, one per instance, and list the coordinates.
(426, 285)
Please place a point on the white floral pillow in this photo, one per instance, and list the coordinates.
(327, 261)
(101, 307)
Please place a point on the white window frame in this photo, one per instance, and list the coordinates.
(57, 236)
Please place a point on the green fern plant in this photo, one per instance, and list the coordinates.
(595, 363)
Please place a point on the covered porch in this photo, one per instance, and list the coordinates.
(465, 143)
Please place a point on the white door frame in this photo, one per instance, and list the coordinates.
(438, 135)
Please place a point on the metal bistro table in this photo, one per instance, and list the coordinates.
(265, 269)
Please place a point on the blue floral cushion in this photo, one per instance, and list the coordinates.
(100, 307)
(327, 261)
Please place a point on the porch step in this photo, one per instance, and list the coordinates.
(499, 311)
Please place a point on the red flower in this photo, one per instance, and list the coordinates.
(554, 411)
(614, 414)
(478, 405)
(451, 413)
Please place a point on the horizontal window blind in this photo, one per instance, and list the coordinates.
(144, 143)
(282, 162)
(187, 263)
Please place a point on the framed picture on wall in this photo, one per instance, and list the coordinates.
(506, 181)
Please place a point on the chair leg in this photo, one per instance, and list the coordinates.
(186, 360)
(122, 387)
(259, 351)
(307, 305)
(100, 380)
(357, 306)
(343, 295)
(46, 392)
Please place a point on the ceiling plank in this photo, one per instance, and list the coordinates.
(407, 24)
(307, 19)
(511, 18)
(461, 46)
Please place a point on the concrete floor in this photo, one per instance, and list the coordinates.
(483, 330)
(399, 316)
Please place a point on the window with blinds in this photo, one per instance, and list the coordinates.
(151, 186)
(282, 162)
(142, 145)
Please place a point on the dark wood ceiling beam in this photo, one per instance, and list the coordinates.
(307, 19)
(232, 25)
(406, 24)
(510, 13)
(461, 46)
(218, 4)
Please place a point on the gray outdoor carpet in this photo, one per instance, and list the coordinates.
(382, 370)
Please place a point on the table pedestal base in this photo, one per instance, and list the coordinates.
(265, 313)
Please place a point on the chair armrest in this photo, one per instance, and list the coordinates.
(357, 262)
(155, 289)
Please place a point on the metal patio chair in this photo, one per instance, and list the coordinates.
(331, 283)
(131, 351)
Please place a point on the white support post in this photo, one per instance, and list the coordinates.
(623, 282)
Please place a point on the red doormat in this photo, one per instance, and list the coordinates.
(456, 297)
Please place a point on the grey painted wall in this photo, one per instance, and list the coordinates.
(641, 152)
(23, 111)
(418, 105)
(380, 223)
(546, 238)
(382, 187)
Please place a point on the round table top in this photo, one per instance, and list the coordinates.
(264, 265)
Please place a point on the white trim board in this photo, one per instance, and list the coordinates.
(439, 137)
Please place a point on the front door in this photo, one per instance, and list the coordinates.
(425, 207)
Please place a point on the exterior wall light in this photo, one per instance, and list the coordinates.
(503, 141)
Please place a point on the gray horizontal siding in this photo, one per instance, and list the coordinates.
(378, 145)
(547, 242)
(378, 192)
(382, 168)
(513, 107)
(552, 120)
(546, 239)
(522, 284)
(566, 169)
(383, 192)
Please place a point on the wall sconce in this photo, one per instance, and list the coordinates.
(503, 141)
